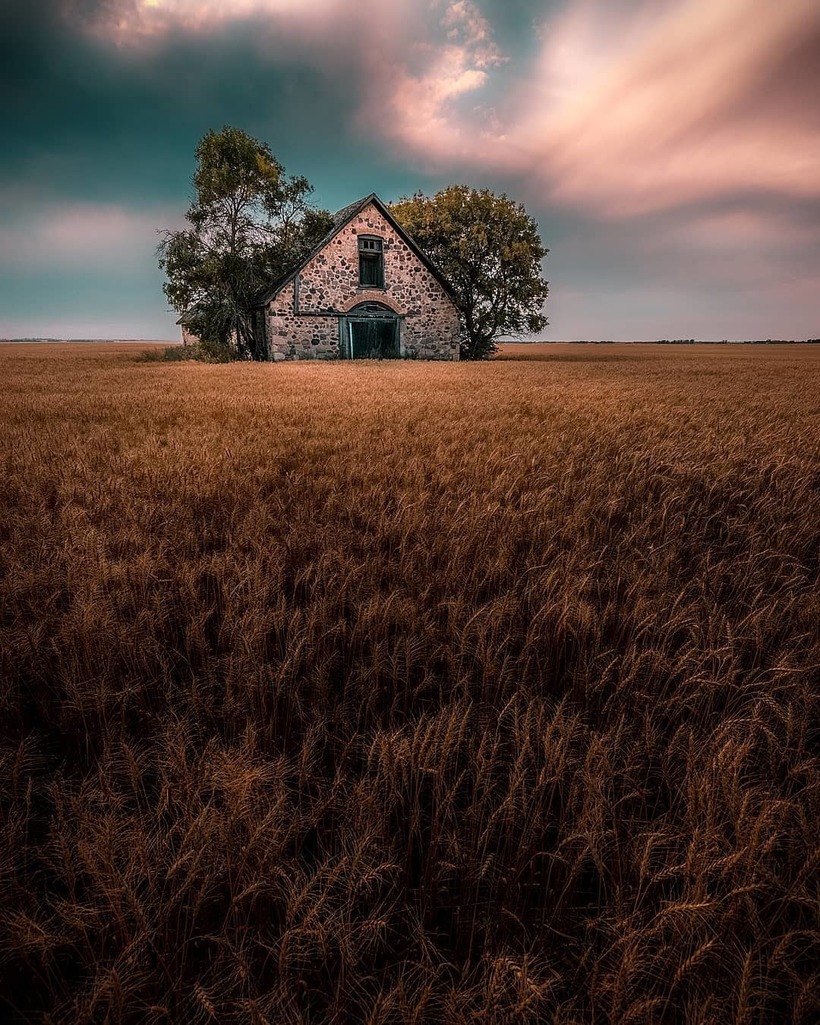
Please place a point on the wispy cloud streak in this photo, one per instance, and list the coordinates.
(628, 107)
(130, 22)
(693, 109)
(701, 100)
(671, 148)
(82, 234)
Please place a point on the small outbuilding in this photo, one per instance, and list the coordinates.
(367, 291)
(189, 337)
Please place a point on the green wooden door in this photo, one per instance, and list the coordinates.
(373, 338)
(370, 335)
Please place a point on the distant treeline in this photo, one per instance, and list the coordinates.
(725, 341)
(695, 341)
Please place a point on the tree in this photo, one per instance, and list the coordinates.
(249, 224)
(489, 249)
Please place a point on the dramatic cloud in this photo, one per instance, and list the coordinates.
(670, 149)
(633, 107)
(422, 107)
(628, 106)
(697, 107)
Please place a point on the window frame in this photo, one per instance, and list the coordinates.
(372, 255)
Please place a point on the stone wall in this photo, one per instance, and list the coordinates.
(295, 336)
(303, 319)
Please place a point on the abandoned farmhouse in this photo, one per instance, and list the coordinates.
(366, 292)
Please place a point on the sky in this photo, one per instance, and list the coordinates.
(668, 149)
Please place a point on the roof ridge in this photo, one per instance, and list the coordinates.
(346, 212)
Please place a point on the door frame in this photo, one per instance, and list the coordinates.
(362, 313)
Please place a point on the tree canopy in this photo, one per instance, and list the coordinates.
(249, 223)
(489, 249)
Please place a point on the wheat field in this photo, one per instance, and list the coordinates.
(404, 692)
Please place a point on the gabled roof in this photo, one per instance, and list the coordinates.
(340, 219)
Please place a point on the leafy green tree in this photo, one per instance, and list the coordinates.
(248, 224)
(489, 249)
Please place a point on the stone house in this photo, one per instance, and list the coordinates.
(366, 291)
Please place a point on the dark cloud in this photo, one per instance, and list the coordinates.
(99, 131)
(99, 139)
(88, 119)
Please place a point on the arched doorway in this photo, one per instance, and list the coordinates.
(369, 331)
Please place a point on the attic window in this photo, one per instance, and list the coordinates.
(371, 261)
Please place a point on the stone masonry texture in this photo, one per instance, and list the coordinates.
(303, 321)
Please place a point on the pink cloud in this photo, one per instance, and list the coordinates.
(419, 103)
(628, 111)
(663, 122)
(420, 58)
(629, 106)
(130, 22)
(468, 28)
(278, 24)
(87, 235)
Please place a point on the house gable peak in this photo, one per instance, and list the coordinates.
(340, 220)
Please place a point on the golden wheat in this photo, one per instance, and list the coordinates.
(410, 693)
